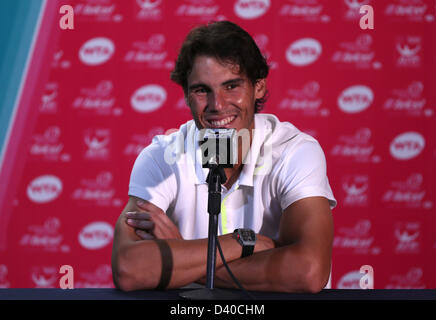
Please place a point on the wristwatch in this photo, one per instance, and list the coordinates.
(247, 239)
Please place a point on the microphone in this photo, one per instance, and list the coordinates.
(218, 148)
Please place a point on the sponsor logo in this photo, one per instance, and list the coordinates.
(97, 10)
(251, 9)
(356, 188)
(4, 283)
(409, 101)
(150, 10)
(96, 51)
(150, 53)
(44, 189)
(46, 237)
(355, 99)
(49, 104)
(357, 239)
(139, 141)
(99, 190)
(413, 11)
(262, 41)
(413, 279)
(97, 144)
(100, 99)
(198, 9)
(306, 100)
(358, 147)
(96, 235)
(59, 62)
(99, 278)
(44, 277)
(148, 98)
(48, 146)
(407, 237)
(407, 145)
(352, 9)
(357, 53)
(303, 11)
(409, 193)
(409, 52)
(303, 52)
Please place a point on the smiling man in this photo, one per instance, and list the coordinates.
(161, 236)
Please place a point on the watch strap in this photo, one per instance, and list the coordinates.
(247, 251)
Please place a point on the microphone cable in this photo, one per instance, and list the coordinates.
(248, 294)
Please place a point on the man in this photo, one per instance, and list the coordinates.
(161, 236)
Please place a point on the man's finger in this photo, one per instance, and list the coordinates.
(141, 224)
(138, 215)
(144, 235)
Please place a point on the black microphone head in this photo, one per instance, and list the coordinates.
(218, 147)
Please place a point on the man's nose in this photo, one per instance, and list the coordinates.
(216, 101)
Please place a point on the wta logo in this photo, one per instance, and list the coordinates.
(44, 189)
(355, 99)
(251, 9)
(407, 145)
(303, 52)
(96, 51)
(148, 98)
(96, 235)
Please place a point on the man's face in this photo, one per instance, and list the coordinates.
(220, 97)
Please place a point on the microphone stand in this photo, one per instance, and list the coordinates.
(214, 179)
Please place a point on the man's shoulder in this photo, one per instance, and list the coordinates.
(285, 136)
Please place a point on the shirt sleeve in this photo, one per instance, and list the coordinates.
(303, 175)
(152, 178)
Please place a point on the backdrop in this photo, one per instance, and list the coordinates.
(92, 98)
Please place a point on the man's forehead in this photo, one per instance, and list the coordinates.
(201, 62)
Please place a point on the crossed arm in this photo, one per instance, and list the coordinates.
(149, 252)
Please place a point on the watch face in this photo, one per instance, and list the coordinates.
(248, 235)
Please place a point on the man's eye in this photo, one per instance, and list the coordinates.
(231, 86)
(200, 91)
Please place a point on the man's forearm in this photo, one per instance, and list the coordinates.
(147, 264)
(285, 269)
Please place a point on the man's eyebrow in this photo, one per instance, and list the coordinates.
(233, 81)
(227, 82)
(196, 85)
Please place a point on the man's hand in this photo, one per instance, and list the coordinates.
(149, 226)
(142, 223)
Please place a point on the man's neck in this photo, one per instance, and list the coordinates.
(232, 175)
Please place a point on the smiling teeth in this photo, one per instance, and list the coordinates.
(223, 122)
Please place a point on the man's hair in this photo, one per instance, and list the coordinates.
(226, 42)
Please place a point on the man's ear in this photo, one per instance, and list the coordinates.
(260, 88)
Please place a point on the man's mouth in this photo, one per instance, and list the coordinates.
(221, 122)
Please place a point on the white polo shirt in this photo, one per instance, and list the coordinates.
(283, 166)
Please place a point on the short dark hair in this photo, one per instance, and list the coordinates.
(227, 42)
